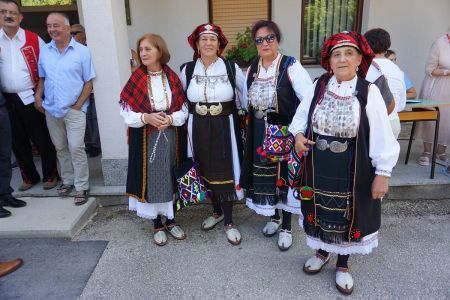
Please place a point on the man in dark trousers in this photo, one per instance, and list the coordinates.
(19, 76)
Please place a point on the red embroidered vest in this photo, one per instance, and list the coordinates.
(30, 51)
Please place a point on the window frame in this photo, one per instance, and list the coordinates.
(48, 8)
(210, 11)
(357, 27)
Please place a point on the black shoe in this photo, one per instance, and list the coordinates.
(94, 151)
(13, 202)
(4, 213)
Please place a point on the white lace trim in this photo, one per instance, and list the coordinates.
(367, 244)
(292, 205)
(151, 210)
(265, 210)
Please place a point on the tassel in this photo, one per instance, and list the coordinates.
(238, 187)
(279, 183)
(347, 211)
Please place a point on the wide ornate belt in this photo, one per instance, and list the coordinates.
(211, 109)
(334, 146)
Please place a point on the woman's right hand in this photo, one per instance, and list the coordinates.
(155, 119)
(301, 143)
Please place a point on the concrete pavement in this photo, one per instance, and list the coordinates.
(411, 262)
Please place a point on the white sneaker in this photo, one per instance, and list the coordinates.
(344, 281)
(233, 235)
(285, 239)
(211, 221)
(315, 263)
(176, 232)
(271, 227)
(160, 237)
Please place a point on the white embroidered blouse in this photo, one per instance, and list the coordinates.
(133, 119)
(383, 147)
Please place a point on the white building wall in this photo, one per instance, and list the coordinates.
(413, 26)
(174, 20)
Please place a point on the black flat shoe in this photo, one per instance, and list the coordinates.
(13, 202)
(4, 213)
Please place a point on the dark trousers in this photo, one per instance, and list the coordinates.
(29, 124)
(5, 155)
(92, 124)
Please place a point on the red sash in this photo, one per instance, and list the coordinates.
(30, 51)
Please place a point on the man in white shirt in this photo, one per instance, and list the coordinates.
(19, 75)
(380, 41)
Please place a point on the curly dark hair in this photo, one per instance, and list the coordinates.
(378, 39)
(269, 24)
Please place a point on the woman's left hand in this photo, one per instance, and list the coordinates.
(380, 186)
(167, 122)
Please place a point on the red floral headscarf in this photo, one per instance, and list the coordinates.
(204, 29)
(352, 39)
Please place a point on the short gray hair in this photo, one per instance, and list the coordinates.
(63, 15)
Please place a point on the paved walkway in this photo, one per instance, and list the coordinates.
(412, 261)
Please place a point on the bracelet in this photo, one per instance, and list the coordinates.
(143, 119)
(171, 119)
(383, 173)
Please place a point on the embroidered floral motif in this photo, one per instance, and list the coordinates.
(355, 234)
(310, 218)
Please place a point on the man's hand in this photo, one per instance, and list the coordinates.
(38, 104)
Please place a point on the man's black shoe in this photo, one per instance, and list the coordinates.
(13, 202)
(4, 213)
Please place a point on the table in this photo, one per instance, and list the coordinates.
(425, 110)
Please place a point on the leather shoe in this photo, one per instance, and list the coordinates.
(13, 202)
(49, 184)
(10, 266)
(4, 212)
(26, 186)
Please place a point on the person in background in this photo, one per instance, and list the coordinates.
(94, 147)
(436, 86)
(276, 83)
(380, 41)
(19, 76)
(65, 76)
(343, 126)
(410, 89)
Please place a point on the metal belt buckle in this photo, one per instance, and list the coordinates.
(201, 109)
(215, 110)
(259, 114)
(334, 146)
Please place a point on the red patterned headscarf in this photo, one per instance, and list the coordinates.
(352, 39)
(204, 29)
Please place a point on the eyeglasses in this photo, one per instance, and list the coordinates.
(75, 32)
(270, 38)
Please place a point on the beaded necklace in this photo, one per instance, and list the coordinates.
(150, 90)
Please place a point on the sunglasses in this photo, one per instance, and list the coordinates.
(270, 38)
(75, 32)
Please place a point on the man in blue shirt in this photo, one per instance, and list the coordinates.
(65, 78)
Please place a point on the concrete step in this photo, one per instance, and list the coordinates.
(47, 217)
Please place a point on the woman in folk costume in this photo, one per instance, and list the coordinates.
(275, 83)
(151, 106)
(344, 127)
(213, 86)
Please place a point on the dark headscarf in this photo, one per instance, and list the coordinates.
(352, 39)
(204, 29)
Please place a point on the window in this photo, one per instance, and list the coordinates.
(322, 18)
(235, 15)
(48, 5)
